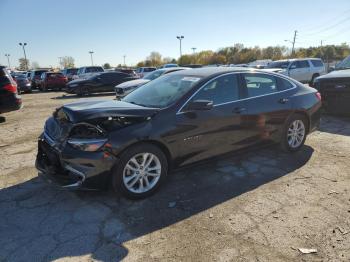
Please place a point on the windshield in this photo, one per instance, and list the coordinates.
(345, 64)
(72, 71)
(163, 91)
(278, 64)
(154, 75)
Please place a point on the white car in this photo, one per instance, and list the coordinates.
(304, 70)
(144, 71)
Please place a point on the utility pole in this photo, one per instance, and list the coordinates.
(60, 65)
(295, 37)
(180, 39)
(92, 61)
(24, 51)
(194, 49)
(8, 59)
(124, 60)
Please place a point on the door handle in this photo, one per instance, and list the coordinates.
(283, 100)
(239, 110)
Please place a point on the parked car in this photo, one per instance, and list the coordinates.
(23, 83)
(35, 77)
(126, 88)
(304, 70)
(193, 65)
(144, 71)
(69, 73)
(52, 80)
(169, 65)
(177, 119)
(87, 71)
(335, 88)
(97, 83)
(131, 72)
(9, 98)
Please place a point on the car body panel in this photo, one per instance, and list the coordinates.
(184, 136)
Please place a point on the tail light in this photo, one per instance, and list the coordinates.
(12, 88)
(318, 95)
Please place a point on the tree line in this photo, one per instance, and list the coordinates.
(239, 54)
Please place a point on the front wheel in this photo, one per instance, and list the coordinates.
(140, 172)
(294, 133)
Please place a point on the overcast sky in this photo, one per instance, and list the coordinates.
(135, 28)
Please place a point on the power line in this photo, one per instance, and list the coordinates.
(329, 27)
(335, 18)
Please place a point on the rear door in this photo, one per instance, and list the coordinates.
(110, 80)
(300, 70)
(268, 104)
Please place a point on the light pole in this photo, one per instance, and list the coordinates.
(8, 59)
(194, 49)
(24, 51)
(92, 61)
(60, 63)
(124, 60)
(180, 39)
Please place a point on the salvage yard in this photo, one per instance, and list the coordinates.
(261, 205)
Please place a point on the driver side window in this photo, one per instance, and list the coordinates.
(221, 90)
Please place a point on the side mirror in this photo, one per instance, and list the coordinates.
(199, 105)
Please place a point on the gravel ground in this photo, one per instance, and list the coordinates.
(261, 205)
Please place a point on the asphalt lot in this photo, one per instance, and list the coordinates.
(260, 205)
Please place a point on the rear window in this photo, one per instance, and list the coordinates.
(38, 73)
(317, 63)
(54, 75)
(148, 69)
(71, 71)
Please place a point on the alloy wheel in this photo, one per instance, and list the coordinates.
(296, 133)
(142, 172)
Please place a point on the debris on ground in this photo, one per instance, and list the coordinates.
(307, 250)
(333, 192)
(211, 215)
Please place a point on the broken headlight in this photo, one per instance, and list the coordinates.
(89, 145)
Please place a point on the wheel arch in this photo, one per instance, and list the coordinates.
(156, 143)
(304, 114)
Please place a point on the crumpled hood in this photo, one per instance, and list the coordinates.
(90, 109)
(133, 83)
(336, 74)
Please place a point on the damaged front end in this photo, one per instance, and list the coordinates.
(77, 153)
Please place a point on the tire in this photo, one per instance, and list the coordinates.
(313, 79)
(122, 176)
(295, 123)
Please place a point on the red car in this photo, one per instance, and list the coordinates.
(51, 80)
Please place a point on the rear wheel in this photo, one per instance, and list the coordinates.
(294, 133)
(140, 172)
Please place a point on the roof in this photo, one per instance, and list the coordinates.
(210, 71)
(167, 69)
(296, 59)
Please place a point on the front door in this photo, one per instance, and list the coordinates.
(202, 134)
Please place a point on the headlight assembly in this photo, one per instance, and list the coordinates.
(89, 145)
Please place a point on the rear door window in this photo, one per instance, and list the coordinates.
(259, 84)
(317, 63)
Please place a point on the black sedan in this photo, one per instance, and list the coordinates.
(335, 89)
(97, 83)
(172, 121)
